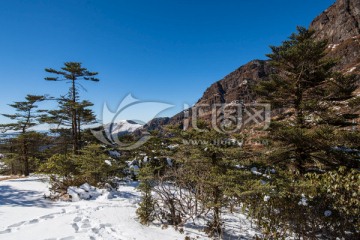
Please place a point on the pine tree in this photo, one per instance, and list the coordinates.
(61, 118)
(71, 107)
(27, 115)
(208, 163)
(308, 138)
(306, 90)
(146, 208)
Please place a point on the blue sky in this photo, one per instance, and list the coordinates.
(160, 50)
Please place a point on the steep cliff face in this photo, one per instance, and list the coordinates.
(339, 22)
(340, 25)
(238, 84)
(235, 87)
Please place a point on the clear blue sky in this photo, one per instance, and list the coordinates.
(160, 50)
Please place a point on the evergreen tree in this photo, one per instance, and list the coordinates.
(72, 109)
(61, 118)
(146, 210)
(208, 162)
(306, 89)
(309, 142)
(27, 115)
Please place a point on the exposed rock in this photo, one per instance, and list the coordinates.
(348, 54)
(339, 22)
(156, 123)
(237, 86)
(340, 25)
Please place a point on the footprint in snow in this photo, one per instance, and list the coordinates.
(68, 238)
(16, 224)
(75, 227)
(86, 224)
(77, 219)
(8, 230)
(33, 221)
(46, 217)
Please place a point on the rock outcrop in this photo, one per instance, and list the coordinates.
(340, 25)
(339, 22)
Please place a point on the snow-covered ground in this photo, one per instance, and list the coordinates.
(26, 214)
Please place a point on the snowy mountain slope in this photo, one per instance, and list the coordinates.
(122, 127)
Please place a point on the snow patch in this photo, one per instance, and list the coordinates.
(303, 200)
(169, 162)
(108, 162)
(173, 146)
(114, 154)
(111, 215)
(351, 70)
(333, 46)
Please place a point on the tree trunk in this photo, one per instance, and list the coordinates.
(25, 158)
(74, 119)
(79, 129)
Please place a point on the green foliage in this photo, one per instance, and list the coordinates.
(146, 210)
(92, 167)
(341, 189)
(317, 206)
(27, 115)
(59, 164)
(314, 194)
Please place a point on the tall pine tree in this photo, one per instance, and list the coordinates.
(72, 108)
(305, 92)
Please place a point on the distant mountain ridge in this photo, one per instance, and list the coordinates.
(122, 127)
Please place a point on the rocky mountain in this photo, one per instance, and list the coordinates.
(233, 88)
(339, 24)
(156, 122)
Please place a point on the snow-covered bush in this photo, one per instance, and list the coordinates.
(92, 165)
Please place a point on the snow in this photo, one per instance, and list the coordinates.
(114, 154)
(173, 146)
(333, 46)
(109, 214)
(255, 171)
(25, 214)
(351, 69)
(121, 127)
(169, 162)
(303, 200)
(327, 213)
